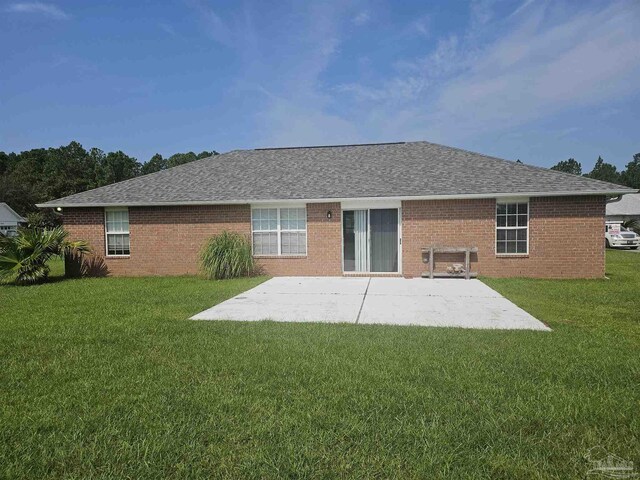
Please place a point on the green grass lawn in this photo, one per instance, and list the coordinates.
(106, 378)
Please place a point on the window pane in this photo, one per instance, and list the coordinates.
(502, 235)
(511, 247)
(502, 209)
(293, 219)
(511, 220)
(302, 218)
(284, 219)
(285, 243)
(302, 245)
(272, 219)
(522, 220)
(265, 243)
(293, 243)
(511, 208)
(257, 244)
(522, 247)
(264, 219)
(118, 244)
(502, 221)
(522, 234)
(501, 247)
(511, 234)
(523, 208)
(117, 221)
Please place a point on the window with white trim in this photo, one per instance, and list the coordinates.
(279, 231)
(117, 232)
(512, 228)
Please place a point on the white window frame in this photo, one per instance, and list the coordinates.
(509, 201)
(106, 232)
(278, 231)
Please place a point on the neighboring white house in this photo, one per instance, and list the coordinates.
(9, 220)
(627, 208)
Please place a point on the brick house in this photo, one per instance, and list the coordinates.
(350, 210)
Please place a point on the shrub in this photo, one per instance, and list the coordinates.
(23, 258)
(227, 255)
(47, 219)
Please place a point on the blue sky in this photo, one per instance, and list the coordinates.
(535, 80)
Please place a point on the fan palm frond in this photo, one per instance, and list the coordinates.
(23, 258)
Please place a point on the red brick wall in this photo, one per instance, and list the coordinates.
(565, 236)
(164, 240)
(324, 246)
(167, 240)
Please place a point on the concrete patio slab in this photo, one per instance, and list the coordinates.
(466, 312)
(314, 285)
(390, 301)
(286, 307)
(447, 287)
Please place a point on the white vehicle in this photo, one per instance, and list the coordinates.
(617, 236)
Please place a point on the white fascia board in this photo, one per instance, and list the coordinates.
(281, 204)
(518, 199)
(377, 203)
(335, 200)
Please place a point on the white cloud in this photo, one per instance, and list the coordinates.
(521, 8)
(497, 75)
(291, 123)
(421, 26)
(215, 27)
(361, 18)
(168, 29)
(47, 9)
(543, 64)
(541, 69)
(296, 108)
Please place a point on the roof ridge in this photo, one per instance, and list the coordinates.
(331, 146)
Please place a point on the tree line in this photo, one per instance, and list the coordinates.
(43, 174)
(607, 172)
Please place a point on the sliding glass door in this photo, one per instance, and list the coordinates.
(370, 239)
(355, 236)
(384, 240)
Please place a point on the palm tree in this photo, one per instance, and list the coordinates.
(23, 258)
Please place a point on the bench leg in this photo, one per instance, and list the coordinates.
(467, 265)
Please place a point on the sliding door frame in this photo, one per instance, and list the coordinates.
(368, 210)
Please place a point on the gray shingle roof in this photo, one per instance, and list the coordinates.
(411, 169)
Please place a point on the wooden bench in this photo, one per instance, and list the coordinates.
(467, 251)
